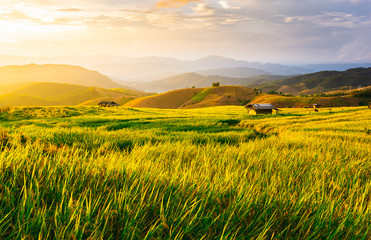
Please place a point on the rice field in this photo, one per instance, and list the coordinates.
(212, 173)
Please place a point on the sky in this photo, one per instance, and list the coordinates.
(283, 31)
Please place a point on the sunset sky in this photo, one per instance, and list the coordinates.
(256, 30)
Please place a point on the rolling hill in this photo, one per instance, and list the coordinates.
(54, 73)
(322, 81)
(45, 94)
(196, 98)
(299, 102)
(198, 80)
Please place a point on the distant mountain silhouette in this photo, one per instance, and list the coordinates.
(54, 73)
(238, 72)
(158, 67)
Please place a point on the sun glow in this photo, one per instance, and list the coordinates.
(244, 29)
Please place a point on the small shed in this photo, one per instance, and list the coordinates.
(108, 104)
(316, 105)
(262, 108)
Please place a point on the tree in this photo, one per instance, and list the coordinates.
(272, 92)
(215, 84)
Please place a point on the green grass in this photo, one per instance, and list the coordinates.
(212, 173)
(200, 96)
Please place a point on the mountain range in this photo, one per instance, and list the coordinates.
(126, 69)
(56, 84)
(323, 81)
(190, 80)
(299, 84)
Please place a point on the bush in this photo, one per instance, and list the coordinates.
(215, 84)
(362, 93)
(244, 102)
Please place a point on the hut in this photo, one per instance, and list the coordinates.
(108, 104)
(316, 105)
(263, 108)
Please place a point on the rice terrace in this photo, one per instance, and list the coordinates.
(185, 120)
(210, 173)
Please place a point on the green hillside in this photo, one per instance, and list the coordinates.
(45, 94)
(196, 98)
(300, 101)
(212, 173)
(54, 73)
(322, 81)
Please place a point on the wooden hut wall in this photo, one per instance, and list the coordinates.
(263, 111)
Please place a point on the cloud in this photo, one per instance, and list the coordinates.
(224, 4)
(174, 3)
(204, 9)
(15, 14)
(69, 10)
(292, 19)
(357, 50)
(136, 11)
(330, 20)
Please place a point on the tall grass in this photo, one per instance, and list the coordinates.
(5, 109)
(214, 173)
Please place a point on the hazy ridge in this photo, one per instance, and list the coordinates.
(50, 94)
(54, 73)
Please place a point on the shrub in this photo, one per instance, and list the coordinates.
(215, 84)
(230, 122)
(362, 93)
(244, 102)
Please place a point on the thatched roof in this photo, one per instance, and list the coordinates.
(106, 103)
(261, 106)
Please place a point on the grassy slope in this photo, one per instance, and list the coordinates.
(172, 99)
(283, 101)
(44, 94)
(54, 73)
(322, 81)
(196, 98)
(332, 79)
(214, 173)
